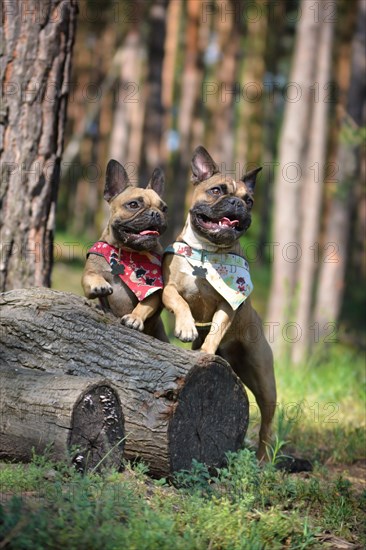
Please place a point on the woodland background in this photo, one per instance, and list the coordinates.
(278, 83)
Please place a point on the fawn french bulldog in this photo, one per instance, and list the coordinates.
(123, 269)
(207, 283)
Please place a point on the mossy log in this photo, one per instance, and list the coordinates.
(177, 404)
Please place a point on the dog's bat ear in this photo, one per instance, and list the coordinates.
(250, 178)
(116, 180)
(203, 165)
(157, 182)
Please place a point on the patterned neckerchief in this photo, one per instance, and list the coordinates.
(140, 271)
(227, 273)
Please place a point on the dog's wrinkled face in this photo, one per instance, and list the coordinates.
(221, 210)
(138, 216)
(221, 207)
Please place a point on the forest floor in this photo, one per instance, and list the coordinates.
(49, 505)
(320, 417)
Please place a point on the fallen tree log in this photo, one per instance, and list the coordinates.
(177, 404)
(72, 418)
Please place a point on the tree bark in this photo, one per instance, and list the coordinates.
(126, 135)
(249, 137)
(271, 98)
(333, 267)
(312, 191)
(174, 19)
(189, 90)
(293, 141)
(154, 112)
(177, 404)
(37, 40)
(71, 418)
(221, 140)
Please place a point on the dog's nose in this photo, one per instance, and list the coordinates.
(155, 216)
(233, 201)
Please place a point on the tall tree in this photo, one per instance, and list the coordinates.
(174, 18)
(154, 114)
(37, 40)
(312, 187)
(190, 88)
(251, 106)
(274, 52)
(293, 140)
(126, 135)
(332, 270)
(221, 139)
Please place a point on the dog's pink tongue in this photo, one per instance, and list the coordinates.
(149, 232)
(228, 223)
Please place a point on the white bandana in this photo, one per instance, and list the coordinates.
(227, 273)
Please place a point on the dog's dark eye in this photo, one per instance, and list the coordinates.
(248, 201)
(133, 205)
(215, 191)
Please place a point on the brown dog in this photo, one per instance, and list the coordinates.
(207, 282)
(123, 269)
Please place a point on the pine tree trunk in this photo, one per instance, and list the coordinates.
(154, 115)
(177, 404)
(126, 135)
(221, 139)
(37, 40)
(174, 18)
(312, 191)
(333, 266)
(249, 136)
(129, 107)
(293, 140)
(72, 418)
(272, 59)
(189, 90)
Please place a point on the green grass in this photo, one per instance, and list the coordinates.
(243, 506)
(240, 506)
(70, 256)
(321, 406)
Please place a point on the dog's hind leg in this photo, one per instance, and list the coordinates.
(254, 366)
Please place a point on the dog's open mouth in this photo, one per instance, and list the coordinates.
(139, 234)
(136, 233)
(152, 232)
(221, 223)
(136, 237)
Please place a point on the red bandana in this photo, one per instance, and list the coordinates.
(140, 271)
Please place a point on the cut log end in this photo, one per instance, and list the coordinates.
(97, 434)
(210, 419)
(69, 416)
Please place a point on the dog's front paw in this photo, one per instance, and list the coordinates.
(185, 330)
(131, 321)
(97, 291)
(208, 348)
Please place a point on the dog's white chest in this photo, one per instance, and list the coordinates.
(198, 292)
